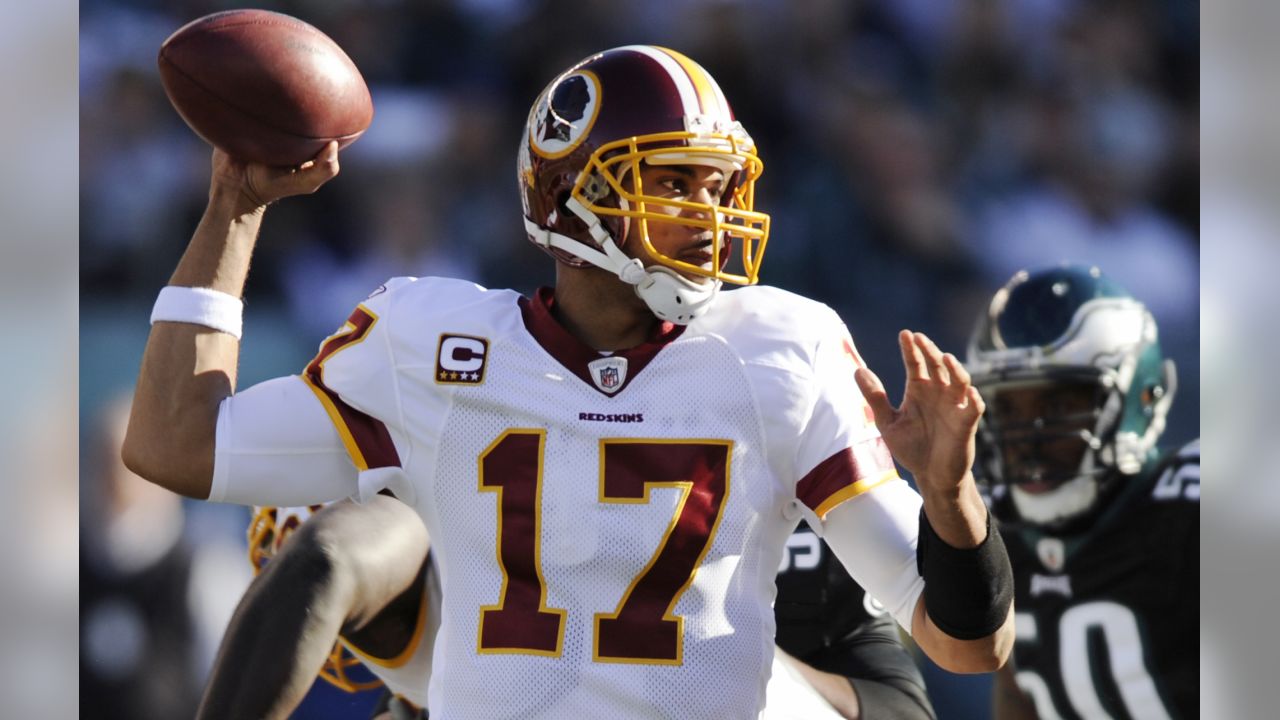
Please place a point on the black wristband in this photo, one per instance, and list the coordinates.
(967, 592)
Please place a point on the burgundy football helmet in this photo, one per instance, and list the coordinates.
(579, 172)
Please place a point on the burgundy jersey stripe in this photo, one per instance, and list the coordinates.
(370, 435)
(361, 320)
(869, 461)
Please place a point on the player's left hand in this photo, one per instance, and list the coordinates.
(932, 433)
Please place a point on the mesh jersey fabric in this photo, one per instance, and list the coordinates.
(602, 551)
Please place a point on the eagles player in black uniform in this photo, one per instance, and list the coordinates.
(1103, 531)
(848, 641)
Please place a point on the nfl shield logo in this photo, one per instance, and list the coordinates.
(1052, 553)
(609, 373)
(609, 378)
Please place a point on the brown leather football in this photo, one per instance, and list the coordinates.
(263, 86)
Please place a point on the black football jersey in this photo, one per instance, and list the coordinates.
(827, 620)
(1108, 619)
(818, 604)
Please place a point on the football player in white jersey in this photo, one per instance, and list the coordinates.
(608, 470)
(844, 659)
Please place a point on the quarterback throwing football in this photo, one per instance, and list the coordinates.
(608, 470)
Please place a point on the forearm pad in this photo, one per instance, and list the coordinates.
(966, 592)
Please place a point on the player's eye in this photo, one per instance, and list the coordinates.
(674, 185)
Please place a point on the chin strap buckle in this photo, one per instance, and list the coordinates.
(633, 272)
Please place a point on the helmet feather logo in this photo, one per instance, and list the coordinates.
(565, 114)
(567, 106)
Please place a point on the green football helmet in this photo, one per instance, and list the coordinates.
(1077, 392)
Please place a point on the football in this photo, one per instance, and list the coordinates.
(263, 86)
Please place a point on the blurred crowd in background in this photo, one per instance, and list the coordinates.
(917, 153)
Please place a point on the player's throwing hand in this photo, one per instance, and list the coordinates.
(257, 185)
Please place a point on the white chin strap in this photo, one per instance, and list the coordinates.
(669, 295)
(1065, 501)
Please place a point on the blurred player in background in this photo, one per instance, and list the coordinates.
(839, 657)
(1103, 529)
(846, 641)
(608, 470)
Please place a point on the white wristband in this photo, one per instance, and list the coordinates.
(199, 306)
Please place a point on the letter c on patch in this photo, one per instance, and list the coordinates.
(461, 354)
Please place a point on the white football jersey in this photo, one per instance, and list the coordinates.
(607, 527)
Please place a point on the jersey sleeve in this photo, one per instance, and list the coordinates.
(276, 446)
(875, 537)
(849, 489)
(354, 378)
(841, 453)
(325, 434)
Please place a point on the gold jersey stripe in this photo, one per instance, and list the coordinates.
(853, 491)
